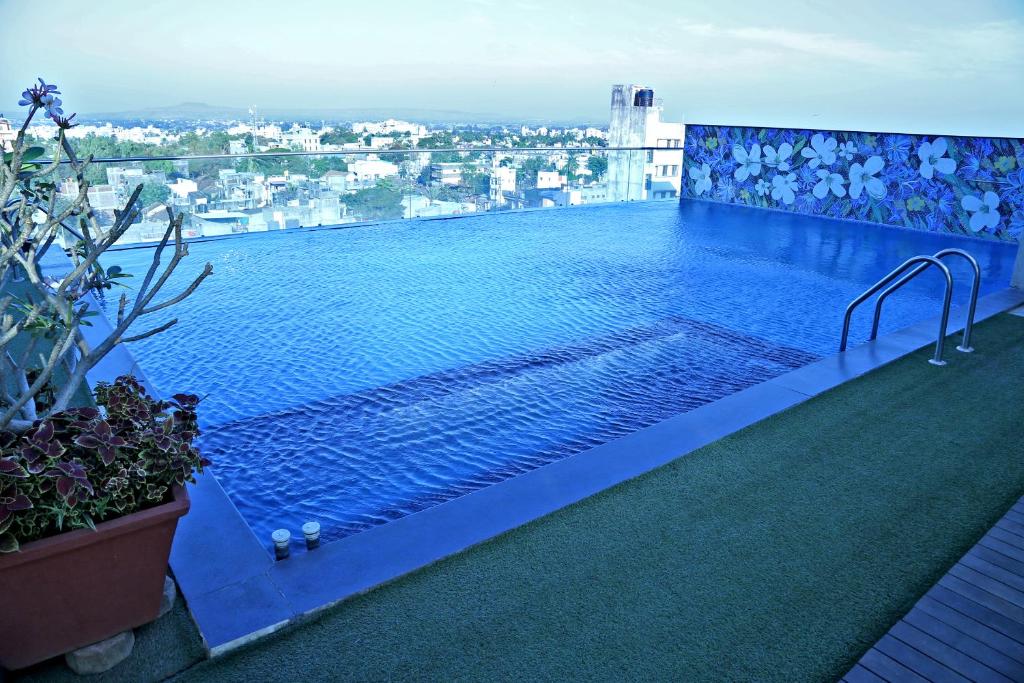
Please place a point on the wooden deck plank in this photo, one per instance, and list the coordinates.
(942, 653)
(858, 674)
(1011, 526)
(910, 659)
(993, 543)
(917, 661)
(969, 626)
(989, 584)
(972, 627)
(993, 602)
(976, 649)
(997, 558)
(888, 668)
(990, 569)
(1010, 534)
(1007, 537)
(1015, 516)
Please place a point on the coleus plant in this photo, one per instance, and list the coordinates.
(82, 466)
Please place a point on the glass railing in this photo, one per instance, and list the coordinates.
(230, 194)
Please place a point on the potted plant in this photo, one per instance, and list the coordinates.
(90, 487)
(90, 499)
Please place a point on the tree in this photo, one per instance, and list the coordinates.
(153, 193)
(382, 202)
(43, 353)
(572, 164)
(598, 166)
(527, 173)
(474, 180)
(322, 165)
(339, 136)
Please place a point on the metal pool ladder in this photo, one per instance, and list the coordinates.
(922, 264)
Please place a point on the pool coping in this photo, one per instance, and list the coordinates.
(237, 593)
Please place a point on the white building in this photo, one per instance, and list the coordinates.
(418, 206)
(503, 182)
(183, 187)
(7, 135)
(389, 127)
(549, 180)
(120, 177)
(369, 171)
(636, 122)
(446, 173)
(305, 139)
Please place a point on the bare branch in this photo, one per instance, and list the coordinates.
(156, 330)
(207, 270)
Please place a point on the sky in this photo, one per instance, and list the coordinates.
(926, 66)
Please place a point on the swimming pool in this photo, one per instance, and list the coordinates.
(359, 375)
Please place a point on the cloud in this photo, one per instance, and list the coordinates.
(825, 45)
(919, 51)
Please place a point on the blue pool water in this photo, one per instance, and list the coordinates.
(359, 375)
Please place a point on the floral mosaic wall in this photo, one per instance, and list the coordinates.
(972, 186)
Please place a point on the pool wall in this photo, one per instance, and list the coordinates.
(962, 185)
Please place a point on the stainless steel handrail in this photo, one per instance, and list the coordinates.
(943, 321)
(965, 344)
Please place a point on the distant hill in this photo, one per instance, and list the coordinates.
(190, 111)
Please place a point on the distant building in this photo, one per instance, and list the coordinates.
(7, 135)
(446, 173)
(636, 122)
(418, 206)
(550, 180)
(103, 197)
(237, 147)
(503, 183)
(184, 187)
(302, 138)
(369, 171)
(120, 176)
(389, 127)
(338, 181)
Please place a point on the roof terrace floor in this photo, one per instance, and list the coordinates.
(782, 552)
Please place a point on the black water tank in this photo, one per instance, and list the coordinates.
(643, 98)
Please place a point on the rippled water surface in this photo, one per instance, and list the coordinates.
(358, 375)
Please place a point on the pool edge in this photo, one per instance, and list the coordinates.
(237, 593)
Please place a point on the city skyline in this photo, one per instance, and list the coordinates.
(930, 68)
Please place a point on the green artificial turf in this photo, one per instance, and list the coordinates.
(779, 553)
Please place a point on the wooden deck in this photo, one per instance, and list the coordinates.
(969, 626)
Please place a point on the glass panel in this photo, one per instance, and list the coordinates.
(285, 190)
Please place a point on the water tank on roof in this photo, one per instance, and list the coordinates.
(643, 98)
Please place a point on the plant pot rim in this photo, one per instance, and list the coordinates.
(43, 548)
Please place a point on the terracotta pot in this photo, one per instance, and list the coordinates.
(60, 593)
